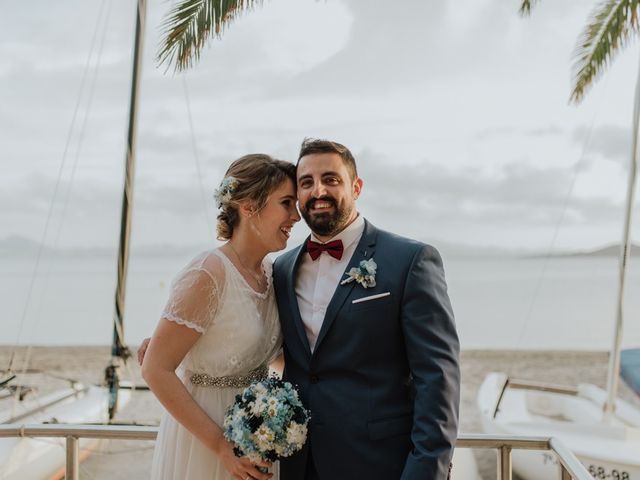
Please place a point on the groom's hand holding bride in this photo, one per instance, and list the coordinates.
(142, 349)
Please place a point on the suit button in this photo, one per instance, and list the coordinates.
(314, 379)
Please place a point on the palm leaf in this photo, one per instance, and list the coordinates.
(610, 29)
(525, 7)
(190, 23)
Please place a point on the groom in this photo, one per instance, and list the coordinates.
(369, 337)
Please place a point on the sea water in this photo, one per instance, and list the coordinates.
(565, 303)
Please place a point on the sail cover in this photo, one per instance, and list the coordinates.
(630, 368)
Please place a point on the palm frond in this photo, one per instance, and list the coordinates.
(525, 7)
(190, 23)
(609, 30)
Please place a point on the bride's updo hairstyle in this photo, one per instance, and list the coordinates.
(252, 177)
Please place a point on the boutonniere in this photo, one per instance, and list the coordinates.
(364, 274)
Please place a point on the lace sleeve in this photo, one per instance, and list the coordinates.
(193, 300)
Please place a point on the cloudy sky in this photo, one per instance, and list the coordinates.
(457, 113)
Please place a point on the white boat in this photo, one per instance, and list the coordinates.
(32, 458)
(40, 459)
(609, 450)
(602, 430)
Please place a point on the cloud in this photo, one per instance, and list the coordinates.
(420, 45)
(550, 130)
(457, 111)
(612, 142)
(382, 62)
(520, 195)
(506, 131)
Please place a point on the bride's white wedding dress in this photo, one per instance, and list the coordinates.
(240, 336)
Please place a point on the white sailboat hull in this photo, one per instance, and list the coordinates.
(608, 450)
(42, 458)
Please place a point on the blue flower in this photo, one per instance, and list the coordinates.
(267, 421)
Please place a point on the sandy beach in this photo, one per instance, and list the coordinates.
(126, 460)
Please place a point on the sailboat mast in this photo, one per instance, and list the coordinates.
(613, 373)
(118, 349)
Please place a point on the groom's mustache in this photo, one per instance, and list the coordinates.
(309, 204)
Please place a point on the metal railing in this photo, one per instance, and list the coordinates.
(570, 466)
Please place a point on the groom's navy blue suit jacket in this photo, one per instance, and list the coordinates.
(383, 382)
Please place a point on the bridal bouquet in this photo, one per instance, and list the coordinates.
(267, 421)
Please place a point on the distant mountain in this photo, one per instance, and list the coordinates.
(17, 246)
(458, 250)
(609, 251)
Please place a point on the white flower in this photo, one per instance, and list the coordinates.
(364, 274)
(222, 194)
(265, 437)
(255, 408)
(272, 407)
(260, 390)
(297, 433)
(370, 266)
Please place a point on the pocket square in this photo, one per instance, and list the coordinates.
(371, 297)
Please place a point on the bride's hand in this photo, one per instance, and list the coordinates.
(241, 468)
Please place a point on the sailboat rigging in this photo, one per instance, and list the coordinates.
(24, 458)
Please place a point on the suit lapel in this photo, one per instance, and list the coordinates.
(364, 251)
(293, 298)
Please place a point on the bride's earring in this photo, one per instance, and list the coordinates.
(252, 224)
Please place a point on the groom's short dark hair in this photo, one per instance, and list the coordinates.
(317, 145)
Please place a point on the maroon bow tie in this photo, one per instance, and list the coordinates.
(334, 249)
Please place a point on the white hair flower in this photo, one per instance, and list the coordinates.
(222, 194)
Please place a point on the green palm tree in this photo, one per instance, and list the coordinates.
(610, 28)
(189, 24)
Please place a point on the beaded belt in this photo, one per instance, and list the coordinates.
(230, 381)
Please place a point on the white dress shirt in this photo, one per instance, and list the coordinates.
(316, 281)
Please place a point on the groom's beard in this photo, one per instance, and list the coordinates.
(325, 224)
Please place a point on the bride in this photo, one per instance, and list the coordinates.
(220, 329)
